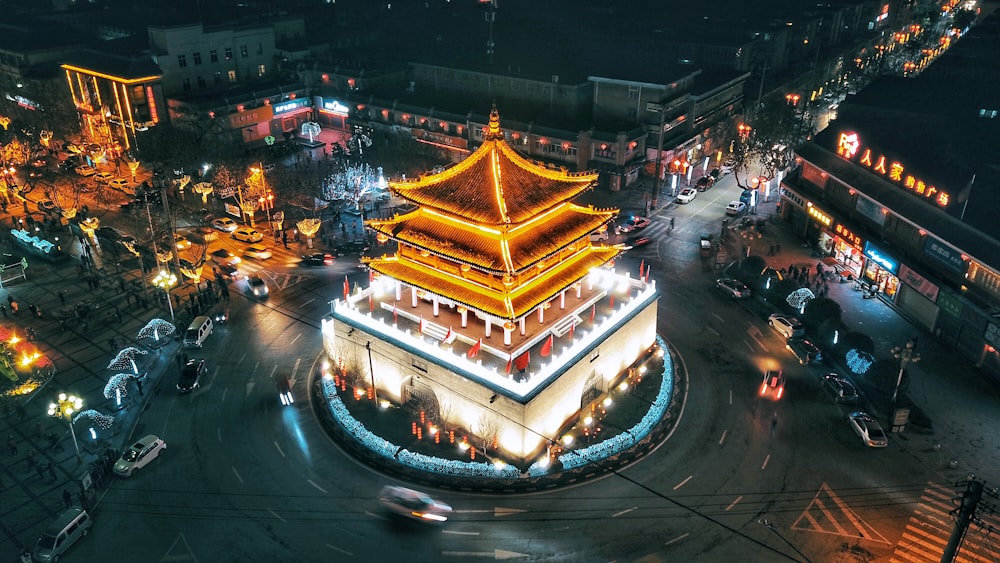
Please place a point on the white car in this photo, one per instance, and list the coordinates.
(635, 224)
(735, 208)
(248, 234)
(789, 327)
(414, 504)
(225, 224)
(138, 455)
(85, 171)
(868, 429)
(257, 252)
(687, 195)
(257, 286)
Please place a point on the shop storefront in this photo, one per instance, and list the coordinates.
(333, 113)
(289, 115)
(881, 270)
(917, 297)
(845, 247)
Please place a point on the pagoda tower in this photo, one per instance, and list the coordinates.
(493, 292)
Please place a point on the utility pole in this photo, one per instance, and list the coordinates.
(655, 190)
(966, 513)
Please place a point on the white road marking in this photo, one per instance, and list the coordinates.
(310, 481)
(718, 318)
(295, 369)
(723, 438)
(335, 548)
(296, 337)
(308, 302)
(457, 533)
(626, 511)
(712, 330)
(224, 390)
(684, 482)
(275, 514)
(766, 459)
(678, 538)
(730, 396)
(279, 449)
(749, 347)
(734, 503)
(237, 473)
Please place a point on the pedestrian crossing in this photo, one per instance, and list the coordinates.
(929, 529)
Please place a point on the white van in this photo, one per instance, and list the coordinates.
(71, 525)
(197, 332)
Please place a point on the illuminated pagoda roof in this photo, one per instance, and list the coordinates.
(495, 217)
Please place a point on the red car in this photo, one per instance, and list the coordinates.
(774, 383)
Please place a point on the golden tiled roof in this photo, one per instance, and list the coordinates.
(495, 185)
(507, 303)
(503, 249)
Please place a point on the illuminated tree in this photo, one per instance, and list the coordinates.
(117, 386)
(102, 420)
(127, 359)
(309, 227)
(488, 431)
(157, 329)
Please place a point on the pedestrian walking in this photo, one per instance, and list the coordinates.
(14, 307)
(67, 497)
(671, 223)
(52, 471)
(138, 385)
(62, 296)
(3, 309)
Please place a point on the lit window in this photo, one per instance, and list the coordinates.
(232, 76)
(261, 71)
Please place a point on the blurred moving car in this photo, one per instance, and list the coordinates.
(257, 252)
(598, 236)
(191, 373)
(317, 259)
(687, 195)
(637, 241)
(868, 429)
(248, 234)
(804, 351)
(704, 183)
(139, 454)
(773, 383)
(789, 327)
(634, 223)
(257, 287)
(181, 242)
(734, 288)
(841, 388)
(223, 256)
(224, 224)
(284, 390)
(414, 505)
(735, 208)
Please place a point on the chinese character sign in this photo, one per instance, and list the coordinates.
(849, 146)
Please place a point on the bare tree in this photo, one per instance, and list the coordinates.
(487, 429)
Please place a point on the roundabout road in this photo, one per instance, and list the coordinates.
(244, 477)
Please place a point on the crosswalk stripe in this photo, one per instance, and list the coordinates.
(929, 529)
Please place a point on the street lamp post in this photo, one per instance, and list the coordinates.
(64, 408)
(267, 202)
(906, 355)
(166, 280)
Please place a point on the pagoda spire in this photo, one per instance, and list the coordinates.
(493, 133)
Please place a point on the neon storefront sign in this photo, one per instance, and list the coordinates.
(336, 107)
(286, 106)
(877, 256)
(818, 215)
(849, 235)
(850, 147)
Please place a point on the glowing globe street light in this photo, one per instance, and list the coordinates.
(166, 280)
(66, 406)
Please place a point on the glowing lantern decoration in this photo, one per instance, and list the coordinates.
(203, 188)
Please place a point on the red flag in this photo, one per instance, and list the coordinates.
(371, 302)
(450, 337)
(510, 362)
(642, 266)
(612, 300)
(522, 361)
(645, 279)
(347, 288)
(547, 347)
(421, 325)
(593, 311)
(571, 328)
(475, 349)
(395, 316)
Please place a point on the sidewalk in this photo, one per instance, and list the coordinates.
(81, 348)
(958, 400)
